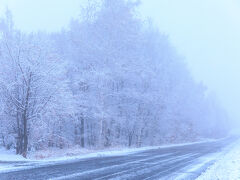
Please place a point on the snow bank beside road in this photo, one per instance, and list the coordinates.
(8, 159)
(226, 168)
(10, 162)
(79, 153)
(19, 163)
(9, 156)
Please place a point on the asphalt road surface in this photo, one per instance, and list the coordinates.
(162, 163)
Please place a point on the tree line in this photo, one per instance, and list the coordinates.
(109, 79)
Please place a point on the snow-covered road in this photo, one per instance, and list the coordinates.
(179, 162)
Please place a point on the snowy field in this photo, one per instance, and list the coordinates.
(226, 168)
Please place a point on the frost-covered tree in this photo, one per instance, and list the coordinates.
(31, 81)
(110, 79)
(142, 92)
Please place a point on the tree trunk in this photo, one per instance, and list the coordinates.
(19, 139)
(130, 138)
(82, 130)
(25, 138)
(25, 119)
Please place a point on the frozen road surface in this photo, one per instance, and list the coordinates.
(180, 162)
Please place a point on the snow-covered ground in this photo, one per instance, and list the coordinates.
(10, 156)
(9, 161)
(76, 153)
(56, 156)
(226, 168)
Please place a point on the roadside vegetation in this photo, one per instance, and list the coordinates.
(111, 79)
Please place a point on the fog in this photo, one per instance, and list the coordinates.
(106, 73)
(126, 89)
(205, 32)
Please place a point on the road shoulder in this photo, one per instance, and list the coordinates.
(226, 167)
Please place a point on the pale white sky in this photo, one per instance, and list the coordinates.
(206, 32)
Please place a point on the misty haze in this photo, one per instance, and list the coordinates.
(119, 89)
